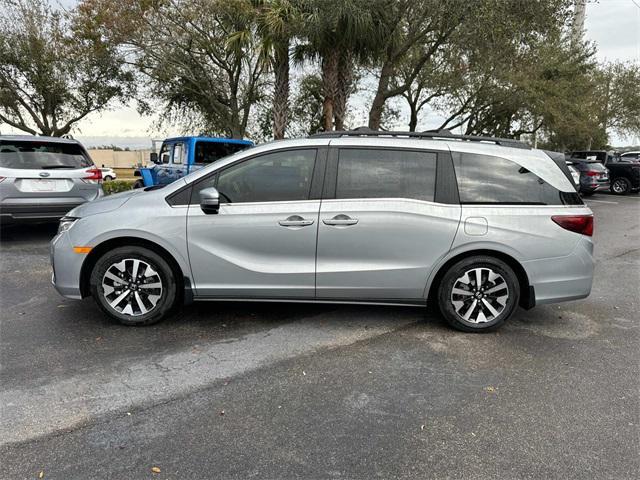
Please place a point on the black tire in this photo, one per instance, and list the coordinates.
(168, 295)
(458, 270)
(138, 184)
(108, 178)
(621, 186)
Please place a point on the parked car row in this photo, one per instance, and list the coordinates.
(42, 178)
(602, 170)
(300, 220)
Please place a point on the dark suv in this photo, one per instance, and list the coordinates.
(624, 173)
(594, 177)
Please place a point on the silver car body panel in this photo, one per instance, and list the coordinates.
(558, 263)
(244, 251)
(391, 255)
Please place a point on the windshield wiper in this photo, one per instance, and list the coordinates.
(51, 167)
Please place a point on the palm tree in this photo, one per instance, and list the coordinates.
(337, 33)
(277, 23)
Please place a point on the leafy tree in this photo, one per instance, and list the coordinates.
(52, 74)
(513, 78)
(436, 78)
(413, 33)
(618, 97)
(307, 110)
(201, 59)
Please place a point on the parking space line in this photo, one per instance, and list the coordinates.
(602, 201)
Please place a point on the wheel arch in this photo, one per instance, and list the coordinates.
(527, 294)
(183, 281)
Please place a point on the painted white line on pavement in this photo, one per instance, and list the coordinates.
(602, 201)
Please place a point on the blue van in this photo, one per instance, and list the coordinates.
(181, 155)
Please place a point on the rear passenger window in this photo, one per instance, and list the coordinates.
(487, 179)
(373, 173)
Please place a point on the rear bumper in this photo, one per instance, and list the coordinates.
(600, 187)
(34, 212)
(563, 278)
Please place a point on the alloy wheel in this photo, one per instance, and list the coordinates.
(480, 295)
(619, 186)
(132, 287)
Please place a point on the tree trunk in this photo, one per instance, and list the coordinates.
(345, 83)
(377, 106)
(413, 119)
(281, 90)
(329, 87)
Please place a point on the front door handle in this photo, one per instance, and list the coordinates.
(295, 221)
(340, 220)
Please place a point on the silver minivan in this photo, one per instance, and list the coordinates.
(478, 226)
(42, 178)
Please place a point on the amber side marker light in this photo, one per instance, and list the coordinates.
(81, 249)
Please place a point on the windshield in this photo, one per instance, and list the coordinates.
(42, 155)
(593, 165)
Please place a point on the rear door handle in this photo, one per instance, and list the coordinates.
(295, 221)
(340, 220)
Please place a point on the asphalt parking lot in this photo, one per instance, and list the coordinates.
(302, 391)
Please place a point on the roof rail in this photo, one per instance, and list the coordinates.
(428, 134)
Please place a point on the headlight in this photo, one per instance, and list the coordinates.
(66, 223)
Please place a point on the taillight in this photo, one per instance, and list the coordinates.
(592, 173)
(582, 224)
(94, 175)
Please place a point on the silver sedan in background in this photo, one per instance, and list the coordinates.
(42, 178)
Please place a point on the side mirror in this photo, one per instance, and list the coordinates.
(153, 156)
(209, 200)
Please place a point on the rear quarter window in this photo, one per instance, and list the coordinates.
(485, 179)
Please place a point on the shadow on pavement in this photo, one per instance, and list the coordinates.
(28, 232)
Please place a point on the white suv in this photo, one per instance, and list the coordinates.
(479, 226)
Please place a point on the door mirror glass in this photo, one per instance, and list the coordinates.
(153, 157)
(209, 200)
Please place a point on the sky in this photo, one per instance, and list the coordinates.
(613, 25)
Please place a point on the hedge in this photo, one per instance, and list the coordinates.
(115, 186)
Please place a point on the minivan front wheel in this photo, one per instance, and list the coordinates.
(133, 285)
(478, 294)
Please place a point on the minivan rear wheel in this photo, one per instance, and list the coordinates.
(478, 294)
(133, 285)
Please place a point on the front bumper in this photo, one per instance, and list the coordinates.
(66, 266)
